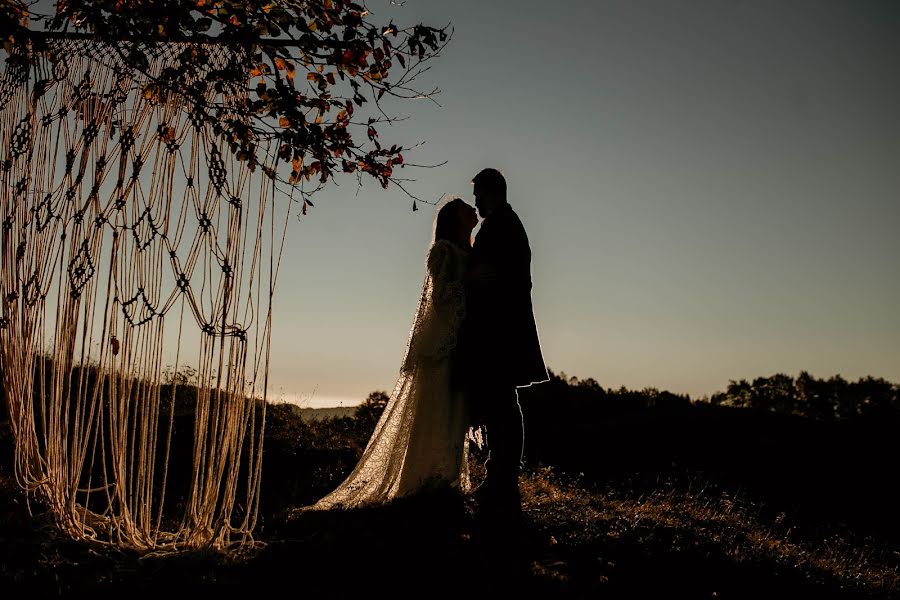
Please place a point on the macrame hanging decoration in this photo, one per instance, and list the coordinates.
(134, 238)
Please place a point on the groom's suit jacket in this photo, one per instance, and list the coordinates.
(498, 336)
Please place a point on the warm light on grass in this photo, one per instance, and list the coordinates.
(668, 521)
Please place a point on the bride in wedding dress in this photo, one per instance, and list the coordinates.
(420, 442)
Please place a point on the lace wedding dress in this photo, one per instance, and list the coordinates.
(420, 441)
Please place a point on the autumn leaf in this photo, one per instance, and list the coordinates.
(335, 40)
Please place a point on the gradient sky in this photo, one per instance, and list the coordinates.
(711, 191)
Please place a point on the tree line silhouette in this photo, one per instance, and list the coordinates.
(827, 399)
(834, 398)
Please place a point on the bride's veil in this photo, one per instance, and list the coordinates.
(377, 475)
(420, 323)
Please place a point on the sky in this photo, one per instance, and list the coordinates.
(711, 191)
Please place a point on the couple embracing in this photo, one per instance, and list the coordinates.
(473, 342)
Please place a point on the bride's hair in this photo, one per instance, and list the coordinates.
(446, 224)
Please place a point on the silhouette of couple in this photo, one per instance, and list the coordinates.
(473, 342)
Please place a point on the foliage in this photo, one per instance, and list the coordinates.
(13, 19)
(827, 399)
(305, 66)
(833, 398)
(370, 410)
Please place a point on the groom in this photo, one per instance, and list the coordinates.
(498, 348)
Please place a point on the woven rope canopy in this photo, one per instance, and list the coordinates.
(134, 242)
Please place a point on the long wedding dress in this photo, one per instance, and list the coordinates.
(420, 441)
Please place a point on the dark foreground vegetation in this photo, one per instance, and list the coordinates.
(626, 495)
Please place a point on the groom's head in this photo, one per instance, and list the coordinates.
(490, 191)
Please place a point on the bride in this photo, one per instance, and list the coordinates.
(420, 441)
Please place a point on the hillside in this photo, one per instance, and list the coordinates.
(577, 543)
(626, 495)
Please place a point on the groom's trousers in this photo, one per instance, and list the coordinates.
(505, 440)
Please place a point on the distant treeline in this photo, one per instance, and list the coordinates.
(829, 399)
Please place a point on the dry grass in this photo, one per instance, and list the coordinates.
(578, 542)
(703, 522)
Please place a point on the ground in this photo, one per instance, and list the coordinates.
(577, 541)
